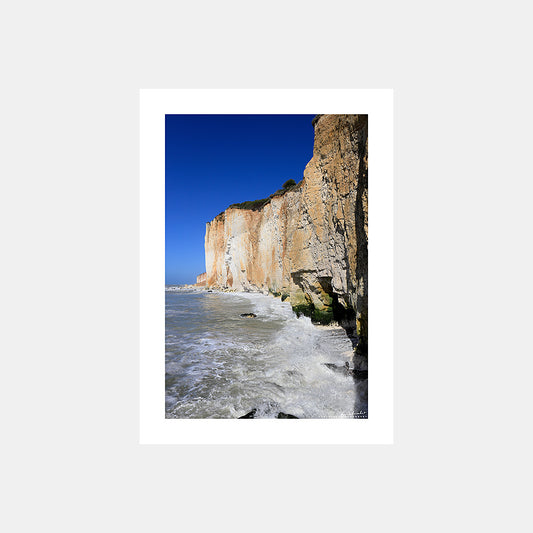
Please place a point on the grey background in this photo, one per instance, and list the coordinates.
(69, 223)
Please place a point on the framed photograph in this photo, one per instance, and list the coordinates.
(266, 266)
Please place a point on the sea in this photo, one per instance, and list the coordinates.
(222, 365)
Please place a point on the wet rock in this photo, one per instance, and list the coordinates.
(333, 367)
(340, 369)
(248, 315)
(361, 399)
(359, 375)
(254, 412)
(251, 414)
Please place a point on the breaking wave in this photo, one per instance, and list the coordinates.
(221, 365)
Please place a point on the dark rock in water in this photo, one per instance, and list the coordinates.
(209, 290)
(361, 399)
(285, 415)
(340, 369)
(333, 367)
(360, 374)
(249, 315)
(360, 362)
(251, 414)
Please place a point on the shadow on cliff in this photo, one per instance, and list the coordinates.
(360, 377)
(360, 409)
(346, 318)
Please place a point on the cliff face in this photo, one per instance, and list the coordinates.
(309, 244)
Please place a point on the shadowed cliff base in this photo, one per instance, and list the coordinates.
(360, 409)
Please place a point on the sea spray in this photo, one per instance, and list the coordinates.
(222, 365)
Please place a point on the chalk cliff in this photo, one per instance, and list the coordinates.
(308, 243)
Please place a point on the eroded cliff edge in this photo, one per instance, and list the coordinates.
(310, 243)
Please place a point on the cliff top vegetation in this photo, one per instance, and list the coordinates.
(256, 205)
(288, 183)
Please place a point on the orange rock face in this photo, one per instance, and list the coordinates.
(309, 244)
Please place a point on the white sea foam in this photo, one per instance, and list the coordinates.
(183, 288)
(220, 365)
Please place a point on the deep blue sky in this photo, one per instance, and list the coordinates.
(213, 161)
